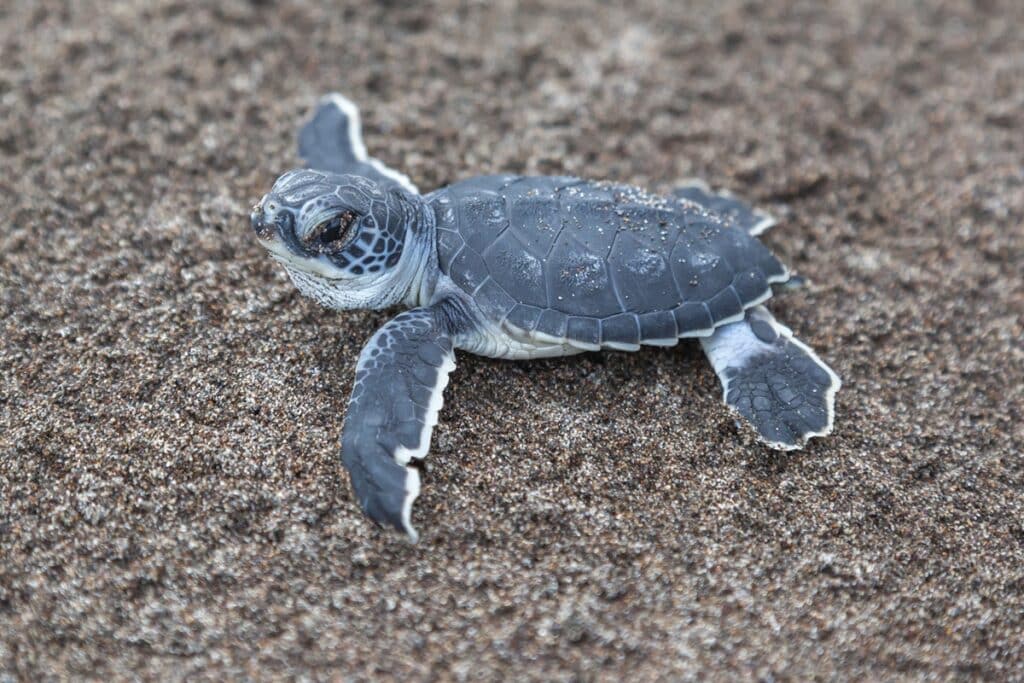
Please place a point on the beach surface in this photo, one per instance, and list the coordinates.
(172, 503)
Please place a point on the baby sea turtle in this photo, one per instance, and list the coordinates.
(520, 267)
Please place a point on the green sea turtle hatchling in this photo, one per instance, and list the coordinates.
(521, 267)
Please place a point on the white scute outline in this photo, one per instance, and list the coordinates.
(355, 136)
(558, 345)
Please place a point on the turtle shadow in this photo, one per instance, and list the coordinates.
(768, 463)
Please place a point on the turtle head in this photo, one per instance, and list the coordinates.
(345, 240)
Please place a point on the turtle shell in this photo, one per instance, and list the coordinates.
(596, 264)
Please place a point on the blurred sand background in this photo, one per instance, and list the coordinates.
(171, 499)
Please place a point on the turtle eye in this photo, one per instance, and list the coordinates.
(333, 232)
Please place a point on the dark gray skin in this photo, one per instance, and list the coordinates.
(524, 267)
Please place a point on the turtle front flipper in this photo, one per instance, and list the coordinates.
(400, 378)
(754, 221)
(773, 380)
(332, 140)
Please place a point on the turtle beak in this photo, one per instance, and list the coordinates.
(260, 226)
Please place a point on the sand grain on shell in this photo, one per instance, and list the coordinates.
(171, 500)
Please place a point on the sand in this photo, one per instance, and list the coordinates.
(172, 503)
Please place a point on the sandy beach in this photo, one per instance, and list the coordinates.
(172, 503)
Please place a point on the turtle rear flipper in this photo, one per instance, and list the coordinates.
(332, 140)
(773, 380)
(754, 221)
